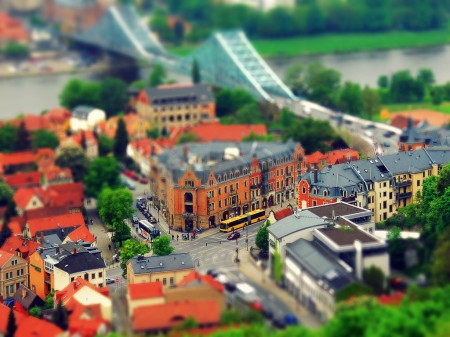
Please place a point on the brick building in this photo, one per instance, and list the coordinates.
(176, 105)
(200, 185)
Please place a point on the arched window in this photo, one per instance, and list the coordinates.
(245, 171)
(225, 177)
(314, 190)
(325, 193)
(344, 193)
(219, 179)
(188, 197)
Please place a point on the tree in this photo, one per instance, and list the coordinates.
(159, 23)
(121, 140)
(187, 137)
(105, 145)
(440, 267)
(11, 326)
(5, 233)
(49, 304)
(157, 76)
(394, 234)
(229, 101)
(16, 50)
(161, 245)
(130, 249)
(443, 180)
(23, 140)
(78, 92)
(262, 237)
(102, 172)
(295, 79)
(153, 133)
(60, 317)
(375, 279)
(315, 20)
(178, 30)
(10, 212)
(370, 102)
(121, 232)
(249, 114)
(426, 76)
(437, 94)
(44, 139)
(6, 194)
(287, 118)
(383, 82)
(8, 136)
(350, 99)
(75, 159)
(196, 77)
(35, 312)
(112, 96)
(189, 323)
(352, 290)
(322, 84)
(404, 88)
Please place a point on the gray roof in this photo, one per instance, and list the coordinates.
(319, 264)
(80, 262)
(197, 93)
(294, 223)
(61, 251)
(77, 4)
(151, 264)
(51, 240)
(205, 158)
(82, 111)
(425, 133)
(30, 300)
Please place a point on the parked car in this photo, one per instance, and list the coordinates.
(152, 219)
(370, 126)
(130, 174)
(134, 218)
(388, 134)
(143, 180)
(291, 319)
(234, 236)
(212, 272)
(267, 312)
(110, 280)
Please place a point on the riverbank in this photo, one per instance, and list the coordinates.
(339, 43)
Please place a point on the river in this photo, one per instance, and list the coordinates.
(35, 94)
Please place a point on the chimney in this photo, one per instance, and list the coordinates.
(316, 176)
(74, 251)
(358, 259)
(185, 153)
(24, 293)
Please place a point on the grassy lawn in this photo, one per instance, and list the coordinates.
(181, 50)
(444, 107)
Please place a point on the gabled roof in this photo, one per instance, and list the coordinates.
(282, 213)
(168, 315)
(156, 264)
(5, 256)
(195, 276)
(25, 179)
(66, 294)
(32, 122)
(55, 222)
(24, 246)
(23, 196)
(292, 224)
(81, 233)
(56, 173)
(180, 94)
(30, 299)
(4, 313)
(82, 111)
(24, 157)
(80, 262)
(138, 291)
(35, 327)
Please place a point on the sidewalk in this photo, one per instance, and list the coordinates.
(249, 268)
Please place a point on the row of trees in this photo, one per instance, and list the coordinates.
(14, 138)
(306, 18)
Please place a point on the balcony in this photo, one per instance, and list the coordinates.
(255, 186)
(349, 199)
(404, 195)
(188, 215)
(404, 183)
(233, 192)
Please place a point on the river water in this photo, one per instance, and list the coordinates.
(35, 94)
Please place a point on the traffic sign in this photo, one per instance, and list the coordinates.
(117, 280)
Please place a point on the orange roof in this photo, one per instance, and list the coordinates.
(145, 290)
(341, 156)
(25, 157)
(282, 213)
(15, 227)
(394, 299)
(314, 157)
(56, 173)
(34, 327)
(55, 222)
(26, 179)
(66, 294)
(145, 145)
(85, 327)
(23, 196)
(214, 131)
(58, 115)
(206, 279)
(81, 233)
(32, 122)
(88, 135)
(5, 256)
(4, 313)
(24, 246)
(131, 123)
(12, 29)
(168, 315)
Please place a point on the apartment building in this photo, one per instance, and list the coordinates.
(201, 184)
(381, 184)
(168, 106)
(13, 273)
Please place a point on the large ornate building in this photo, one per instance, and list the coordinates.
(201, 184)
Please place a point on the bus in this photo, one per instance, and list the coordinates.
(240, 221)
(147, 230)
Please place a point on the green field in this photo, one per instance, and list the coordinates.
(341, 43)
(444, 107)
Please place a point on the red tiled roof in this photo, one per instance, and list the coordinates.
(23, 196)
(57, 173)
(85, 327)
(4, 313)
(32, 122)
(55, 222)
(34, 327)
(58, 115)
(12, 29)
(88, 135)
(394, 299)
(214, 131)
(145, 290)
(25, 246)
(66, 294)
(341, 156)
(4, 256)
(314, 157)
(206, 279)
(282, 213)
(168, 315)
(25, 179)
(25, 157)
(144, 146)
(46, 212)
(81, 233)
(15, 227)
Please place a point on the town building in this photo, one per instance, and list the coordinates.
(86, 265)
(20, 246)
(144, 294)
(135, 125)
(81, 233)
(275, 216)
(422, 135)
(73, 15)
(168, 106)
(86, 140)
(12, 30)
(169, 269)
(201, 184)
(89, 307)
(25, 299)
(86, 118)
(23, 180)
(381, 184)
(318, 160)
(13, 273)
(33, 160)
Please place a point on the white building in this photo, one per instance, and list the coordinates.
(90, 267)
(264, 5)
(86, 118)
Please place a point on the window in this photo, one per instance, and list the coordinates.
(171, 281)
(157, 280)
(226, 201)
(220, 203)
(14, 262)
(10, 275)
(18, 272)
(220, 191)
(314, 203)
(100, 274)
(418, 182)
(211, 194)
(164, 281)
(237, 186)
(245, 183)
(100, 285)
(189, 183)
(384, 204)
(211, 206)
(384, 184)
(93, 276)
(245, 195)
(384, 193)
(72, 279)
(303, 189)
(225, 189)
(390, 195)
(7, 276)
(390, 208)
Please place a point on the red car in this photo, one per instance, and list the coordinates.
(143, 180)
(131, 174)
(234, 236)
